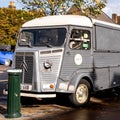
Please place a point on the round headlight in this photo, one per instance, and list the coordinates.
(47, 65)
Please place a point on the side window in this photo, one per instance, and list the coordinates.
(80, 39)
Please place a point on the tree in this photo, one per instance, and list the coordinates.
(54, 7)
(48, 7)
(11, 21)
(91, 7)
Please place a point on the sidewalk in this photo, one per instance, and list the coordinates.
(36, 110)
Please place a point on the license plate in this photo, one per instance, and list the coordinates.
(26, 87)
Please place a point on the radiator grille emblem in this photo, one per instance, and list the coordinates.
(24, 66)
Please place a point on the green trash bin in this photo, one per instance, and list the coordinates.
(13, 100)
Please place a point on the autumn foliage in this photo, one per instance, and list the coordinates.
(11, 21)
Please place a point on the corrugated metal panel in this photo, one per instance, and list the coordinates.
(69, 66)
(50, 76)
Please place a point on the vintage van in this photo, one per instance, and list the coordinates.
(68, 54)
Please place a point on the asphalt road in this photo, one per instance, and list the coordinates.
(103, 106)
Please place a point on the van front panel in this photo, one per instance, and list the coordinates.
(49, 64)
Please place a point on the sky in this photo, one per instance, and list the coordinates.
(113, 6)
(5, 3)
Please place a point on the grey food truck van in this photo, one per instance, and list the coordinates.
(68, 54)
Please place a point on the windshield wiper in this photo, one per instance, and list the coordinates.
(47, 44)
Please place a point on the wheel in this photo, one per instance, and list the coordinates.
(81, 96)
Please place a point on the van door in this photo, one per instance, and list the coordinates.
(77, 56)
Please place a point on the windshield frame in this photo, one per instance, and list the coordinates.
(31, 44)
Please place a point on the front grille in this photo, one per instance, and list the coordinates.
(24, 61)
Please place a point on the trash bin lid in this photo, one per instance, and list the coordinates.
(14, 70)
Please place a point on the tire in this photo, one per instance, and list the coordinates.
(81, 97)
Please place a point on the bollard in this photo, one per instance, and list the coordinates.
(13, 100)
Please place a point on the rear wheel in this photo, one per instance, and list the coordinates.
(81, 96)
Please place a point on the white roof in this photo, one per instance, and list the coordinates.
(59, 20)
(56, 20)
(105, 23)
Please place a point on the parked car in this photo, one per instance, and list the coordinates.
(6, 57)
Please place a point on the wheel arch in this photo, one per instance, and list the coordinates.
(76, 80)
(90, 81)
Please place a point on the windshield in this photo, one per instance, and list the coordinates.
(43, 37)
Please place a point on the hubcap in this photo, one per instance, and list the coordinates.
(82, 93)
